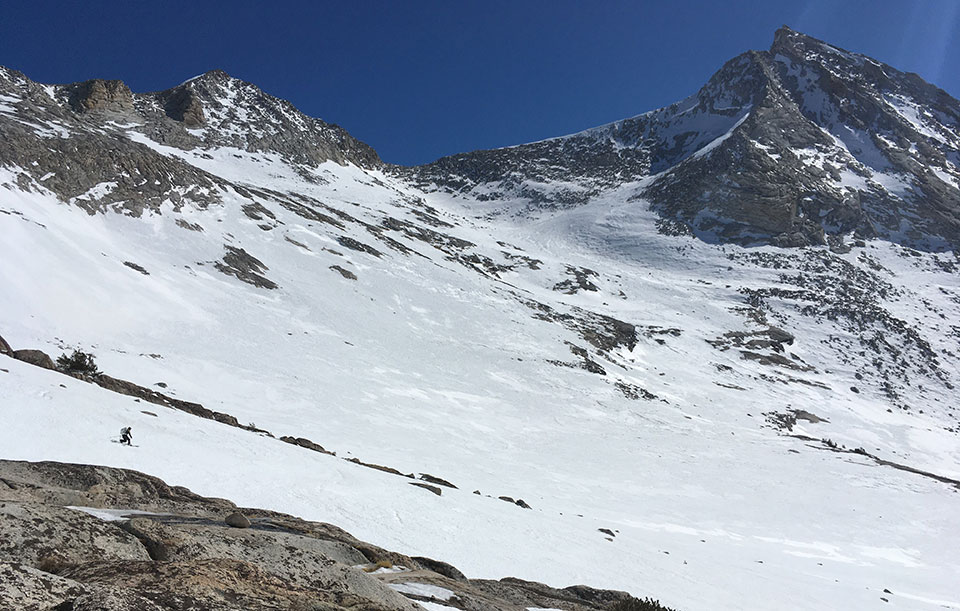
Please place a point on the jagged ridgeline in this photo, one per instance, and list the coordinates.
(86, 123)
(791, 146)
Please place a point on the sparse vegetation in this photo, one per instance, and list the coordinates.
(636, 604)
(78, 364)
(381, 564)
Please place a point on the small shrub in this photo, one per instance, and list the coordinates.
(382, 564)
(78, 363)
(636, 604)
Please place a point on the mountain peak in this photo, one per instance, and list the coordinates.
(801, 46)
(785, 37)
(797, 145)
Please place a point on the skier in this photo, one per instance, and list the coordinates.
(126, 437)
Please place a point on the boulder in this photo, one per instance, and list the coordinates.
(440, 567)
(237, 520)
(35, 357)
(245, 267)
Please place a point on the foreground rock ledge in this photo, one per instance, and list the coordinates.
(84, 538)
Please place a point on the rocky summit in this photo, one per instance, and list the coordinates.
(791, 146)
(707, 354)
(88, 120)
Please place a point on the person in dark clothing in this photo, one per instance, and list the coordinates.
(126, 437)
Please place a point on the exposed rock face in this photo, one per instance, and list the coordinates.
(98, 94)
(26, 536)
(182, 104)
(5, 347)
(182, 557)
(69, 153)
(64, 484)
(218, 584)
(786, 146)
(820, 120)
(346, 273)
(25, 587)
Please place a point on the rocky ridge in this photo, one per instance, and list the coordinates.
(792, 146)
(115, 139)
(802, 144)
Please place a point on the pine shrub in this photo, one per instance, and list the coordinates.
(78, 363)
(636, 604)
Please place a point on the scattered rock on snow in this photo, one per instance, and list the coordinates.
(305, 443)
(436, 480)
(432, 489)
(136, 267)
(244, 267)
(346, 273)
(35, 357)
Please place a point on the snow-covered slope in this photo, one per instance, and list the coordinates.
(700, 401)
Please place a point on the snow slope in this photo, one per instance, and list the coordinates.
(429, 363)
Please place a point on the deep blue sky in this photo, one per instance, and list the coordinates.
(422, 79)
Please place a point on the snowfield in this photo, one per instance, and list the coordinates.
(428, 366)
